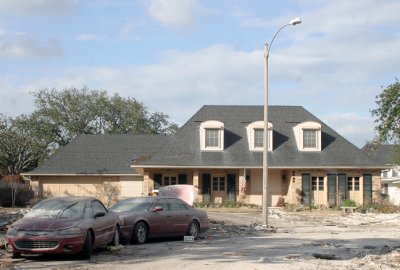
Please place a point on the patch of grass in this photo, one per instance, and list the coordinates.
(349, 203)
(384, 207)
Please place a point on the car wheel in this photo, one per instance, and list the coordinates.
(140, 233)
(116, 238)
(87, 247)
(193, 229)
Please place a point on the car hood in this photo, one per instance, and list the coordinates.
(45, 224)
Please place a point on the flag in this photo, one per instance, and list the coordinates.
(244, 183)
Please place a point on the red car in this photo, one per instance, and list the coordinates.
(66, 225)
(150, 217)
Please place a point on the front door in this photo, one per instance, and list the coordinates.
(367, 189)
(342, 190)
(206, 187)
(305, 186)
(231, 187)
(331, 189)
(218, 189)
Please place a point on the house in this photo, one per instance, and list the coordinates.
(219, 151)
(387, 154)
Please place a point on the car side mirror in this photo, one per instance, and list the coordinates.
(99, 214)
(157, 208)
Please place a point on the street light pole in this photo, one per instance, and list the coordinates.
(265, 137)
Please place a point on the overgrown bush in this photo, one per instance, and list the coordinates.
(281, 202)
(349, 203)
(384, 206)
(23, 197)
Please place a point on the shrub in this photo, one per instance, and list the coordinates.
(349, 203)
(22, 198)
(385, 207)
(281, 202)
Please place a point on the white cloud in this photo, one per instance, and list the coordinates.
(178, 85)
(177, 14)
(357, 129)
(39, 7)
(22, 45)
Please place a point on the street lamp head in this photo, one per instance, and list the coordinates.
(295, 21)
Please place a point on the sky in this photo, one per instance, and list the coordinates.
(175, 56)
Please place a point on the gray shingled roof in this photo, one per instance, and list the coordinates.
(100, 154)
(184, 148)
(387, 154)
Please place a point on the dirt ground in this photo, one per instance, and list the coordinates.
(318, 239)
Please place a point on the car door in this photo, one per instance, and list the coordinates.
(103, 225)
(179, 217)
(159, 218)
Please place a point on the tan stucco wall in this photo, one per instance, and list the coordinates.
(105, 188)
(131, 186)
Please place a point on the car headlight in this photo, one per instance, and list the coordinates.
(12, 232)
(69, 231)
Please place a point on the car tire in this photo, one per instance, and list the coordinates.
(117, 236)
(140, 233)
(193, 229)
(86, 253)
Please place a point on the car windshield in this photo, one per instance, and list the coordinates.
(137, 204)
(57, 209)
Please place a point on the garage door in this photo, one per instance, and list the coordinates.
(131, 186)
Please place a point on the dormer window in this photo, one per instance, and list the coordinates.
(258, 138)
(255, 135)
(212, 136)
(308, 136)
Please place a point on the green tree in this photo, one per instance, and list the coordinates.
(60, 116)
(70, 112)
(387, 114)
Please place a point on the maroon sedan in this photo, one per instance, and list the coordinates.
(66, 225)
(151, 217)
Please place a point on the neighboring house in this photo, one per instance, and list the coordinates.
(389, 155)
(96, 165)
(219, 151)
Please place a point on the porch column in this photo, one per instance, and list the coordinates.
(146, 184)
(242, 185)
(196, 185)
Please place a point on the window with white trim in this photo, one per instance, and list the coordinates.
(353, 183)
(218, 183)
(308, 136)
(169, 180)
(317, 183)
(258, 138)
(212, 136)
(255, 135)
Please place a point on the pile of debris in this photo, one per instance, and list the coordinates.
(218, 229)
(7, 217)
